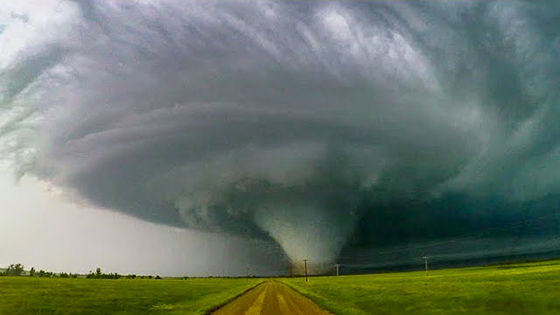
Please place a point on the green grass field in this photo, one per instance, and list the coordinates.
(528, 288)
(25, 295)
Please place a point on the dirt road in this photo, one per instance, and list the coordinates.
(271, 298)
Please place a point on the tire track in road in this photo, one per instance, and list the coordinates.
(271, 298)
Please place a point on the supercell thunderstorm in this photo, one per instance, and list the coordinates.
(321, 125)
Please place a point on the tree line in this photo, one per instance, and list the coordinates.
(18, 270)
(98, 274)
(15, 270)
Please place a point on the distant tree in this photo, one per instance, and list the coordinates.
(100, 275)
(45, 274)
(32, 272)
(158, 277)
(14, 270)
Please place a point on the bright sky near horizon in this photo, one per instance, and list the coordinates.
(43, 228)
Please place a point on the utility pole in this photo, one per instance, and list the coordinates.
(305, 268)
(426, 264)
(337, 267)
(247, 273)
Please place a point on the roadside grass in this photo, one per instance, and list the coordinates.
(525, 288)
(26, 295)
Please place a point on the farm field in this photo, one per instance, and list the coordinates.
(25, 295)
(525, 288)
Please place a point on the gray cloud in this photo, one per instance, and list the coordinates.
(290, 120)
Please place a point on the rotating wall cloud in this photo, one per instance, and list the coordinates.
(293, 121)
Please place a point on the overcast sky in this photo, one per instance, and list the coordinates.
(214, 133)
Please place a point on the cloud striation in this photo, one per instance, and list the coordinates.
(322, 125)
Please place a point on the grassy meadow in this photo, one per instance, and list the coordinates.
(525, 288)
(27, 295)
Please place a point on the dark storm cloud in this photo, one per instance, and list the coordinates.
(295, 120)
